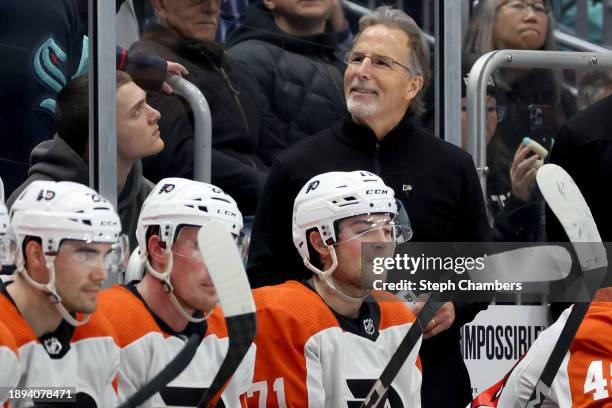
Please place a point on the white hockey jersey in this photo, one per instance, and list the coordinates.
(308, 356)
(585, 376)
(9, 362)
(85, 357)
(148, 345)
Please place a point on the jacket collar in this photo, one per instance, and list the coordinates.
(363, 137)
(190, 48)
(259, 25)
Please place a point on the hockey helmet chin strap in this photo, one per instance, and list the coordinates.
(326, 277)
(49, 288)
(164, 277)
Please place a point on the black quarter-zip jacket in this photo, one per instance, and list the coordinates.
(437, 183)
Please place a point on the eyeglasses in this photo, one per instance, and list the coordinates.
(379, 62)
(522, 6)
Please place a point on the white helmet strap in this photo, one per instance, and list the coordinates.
(325, 276)
(164, 277)
(50, 289)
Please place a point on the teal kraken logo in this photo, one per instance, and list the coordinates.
(47, 62)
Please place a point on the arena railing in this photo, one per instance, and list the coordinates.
(488, 63)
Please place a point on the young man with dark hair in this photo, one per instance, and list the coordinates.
(66, 156)
(325, 341)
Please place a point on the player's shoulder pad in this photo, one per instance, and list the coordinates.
(15, 323)
(294, 308)
(127, 314)
(97, 326)
(7, 339)
(393, 311)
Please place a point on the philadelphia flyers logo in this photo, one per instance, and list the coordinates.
(312, 186)
(166, 188)
(46, 195)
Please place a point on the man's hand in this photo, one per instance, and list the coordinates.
(442, 320)
(523, 172)
(337, 19)
(174, 68)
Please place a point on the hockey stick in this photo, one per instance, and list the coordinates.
(555, 264)
(169, 373)
(225, 266)
(566, 201)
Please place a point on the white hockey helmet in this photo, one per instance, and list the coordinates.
(174, 202)
(178, 201)
(57, 211)
(7, 240)
(330, 197)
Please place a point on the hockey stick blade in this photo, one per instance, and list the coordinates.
(543, 263)
(169, 373)
(226, 269)
(568, 204)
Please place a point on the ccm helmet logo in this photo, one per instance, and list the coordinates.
(380, 191)
(226, 212)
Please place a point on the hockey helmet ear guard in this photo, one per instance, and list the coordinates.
(58, 211)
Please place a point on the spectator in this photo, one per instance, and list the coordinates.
(244, 134)
(515, 214)
(41, 46)
(436, 181)
(533, 99)
(68, 240)
(583, 147)
(66, 156)
(594, 86)
(233, 12)
(296, 61)
(320, 325)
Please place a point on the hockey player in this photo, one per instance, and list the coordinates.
(176, 298)
(9, 375)
(323, 342)
(585, 375)
(69, 240)
(9, 361)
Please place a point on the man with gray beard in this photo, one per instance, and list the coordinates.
(387, 71)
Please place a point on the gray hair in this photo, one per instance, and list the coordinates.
(594, 85)
(418, 61)
(479, 36)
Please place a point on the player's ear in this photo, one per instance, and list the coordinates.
(157, 252)
(36, 264)
(316, 242)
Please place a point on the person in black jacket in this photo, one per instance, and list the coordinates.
(583, 147)
(436, 181)
(244, 134)
(295, 59)
(66, 156)
(43, 47)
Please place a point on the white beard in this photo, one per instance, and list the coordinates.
(360, 108)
